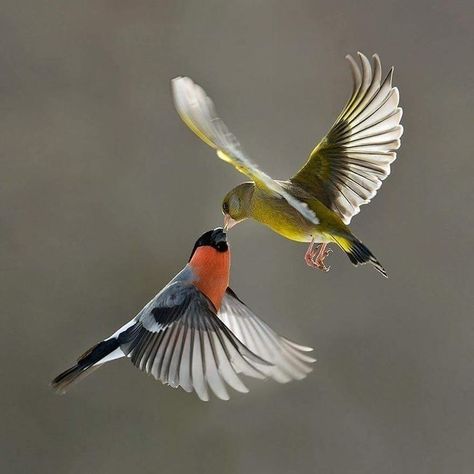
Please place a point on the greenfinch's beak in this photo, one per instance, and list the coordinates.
(228, 222)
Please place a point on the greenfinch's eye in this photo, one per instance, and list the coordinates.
(234, 204)
(225, 208)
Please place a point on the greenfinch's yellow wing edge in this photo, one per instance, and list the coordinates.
(198, 112)
(347, 167)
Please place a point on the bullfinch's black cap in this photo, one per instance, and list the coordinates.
(215, 238)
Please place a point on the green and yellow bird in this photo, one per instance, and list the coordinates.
(344, 170)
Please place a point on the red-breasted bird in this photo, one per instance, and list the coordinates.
(344, 170)
(197, 334)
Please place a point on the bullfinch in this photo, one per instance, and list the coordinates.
(197, 334)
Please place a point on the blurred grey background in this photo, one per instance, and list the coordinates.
(103, 192)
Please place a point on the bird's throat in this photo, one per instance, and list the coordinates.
(212, 273)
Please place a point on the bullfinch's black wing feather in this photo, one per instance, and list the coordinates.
(288, 359)
(180, 341)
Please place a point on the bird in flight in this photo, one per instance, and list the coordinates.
(197, 334)
(344, 170)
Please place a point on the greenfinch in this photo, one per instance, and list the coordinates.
(343, 171)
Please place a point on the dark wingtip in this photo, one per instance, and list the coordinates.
(60, 383)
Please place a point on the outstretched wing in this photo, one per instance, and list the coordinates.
(347, 167)
(197, 111)
(288, 359)
(179, 340)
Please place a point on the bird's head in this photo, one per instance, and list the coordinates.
(236, 204)
(213, 241)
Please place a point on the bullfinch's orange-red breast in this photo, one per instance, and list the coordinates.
(197, 334)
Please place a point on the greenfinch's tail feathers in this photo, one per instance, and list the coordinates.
(359, 254)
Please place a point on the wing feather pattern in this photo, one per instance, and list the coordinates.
(288, 359)
(347, 167)
(198, 112)
(187, 345)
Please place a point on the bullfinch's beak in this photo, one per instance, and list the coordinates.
(228, 222)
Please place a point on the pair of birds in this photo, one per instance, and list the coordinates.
(196, 333)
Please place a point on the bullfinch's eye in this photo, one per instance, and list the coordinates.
(221, 246)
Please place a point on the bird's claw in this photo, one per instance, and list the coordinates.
(309, 259)
(315, 258)
(320, 265)
(326, 253)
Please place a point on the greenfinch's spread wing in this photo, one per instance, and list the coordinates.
(197, 111)
(347, 167)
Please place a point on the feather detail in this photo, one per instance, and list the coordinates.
(347, 167)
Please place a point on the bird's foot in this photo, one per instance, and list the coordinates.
(314, 257)
(319, 263)
(310, 255)
(309, 259)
